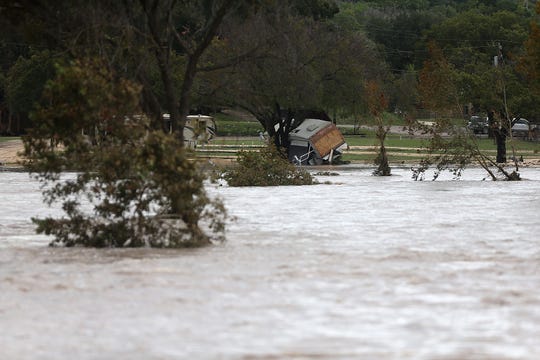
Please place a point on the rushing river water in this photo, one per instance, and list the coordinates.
(365, 268)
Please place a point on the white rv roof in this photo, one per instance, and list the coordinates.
(308, 128)
(167, 116)
(200, 117)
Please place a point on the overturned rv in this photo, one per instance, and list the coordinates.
(199, 129)
(315, 142)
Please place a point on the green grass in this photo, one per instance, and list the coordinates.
(519, 145)
(524, 145)
(238, 128)
(370, 158)
(401, 148)
(408, 141)
(7, 138)
(391, 141)
(363, 119)
(230, 126)
(239, 141)
(244, 135)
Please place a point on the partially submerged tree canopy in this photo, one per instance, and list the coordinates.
(450, 147)
(132, 186)
(377, 103)
(265, 168)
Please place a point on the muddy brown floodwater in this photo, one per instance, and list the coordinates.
(366, 268)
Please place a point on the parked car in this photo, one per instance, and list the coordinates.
(478, 124)
(520, 127)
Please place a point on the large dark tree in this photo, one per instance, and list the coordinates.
(297, 63)
(159, 44)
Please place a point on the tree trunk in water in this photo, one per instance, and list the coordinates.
(384, 168)
(382, 158)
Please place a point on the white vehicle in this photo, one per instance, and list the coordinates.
(520, 127)
(199, 129)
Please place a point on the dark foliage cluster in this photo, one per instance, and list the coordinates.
(265, 168)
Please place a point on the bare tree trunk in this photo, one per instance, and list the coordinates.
(162, 42)
(500, 139)
(383, 168)
(177, 125)
(178, 106)
(9, 131)
(151, 104)
(193, 60)
(18, 124)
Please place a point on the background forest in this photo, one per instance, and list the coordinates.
(426, 55)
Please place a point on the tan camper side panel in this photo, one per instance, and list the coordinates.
(327, 139)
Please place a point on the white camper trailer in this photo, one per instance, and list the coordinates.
(199, 129)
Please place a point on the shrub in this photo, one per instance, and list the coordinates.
(265, 168)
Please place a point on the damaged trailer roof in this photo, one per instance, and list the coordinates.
(323, 135)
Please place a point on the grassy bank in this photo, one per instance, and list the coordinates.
(228, 125)
(363, 148)
(235, 135)
(8, 138)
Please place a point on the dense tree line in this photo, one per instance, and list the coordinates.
(304, 53)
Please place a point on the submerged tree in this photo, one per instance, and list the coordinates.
(267, 167)
(132, 185)
(450, 147)
(377, 105)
